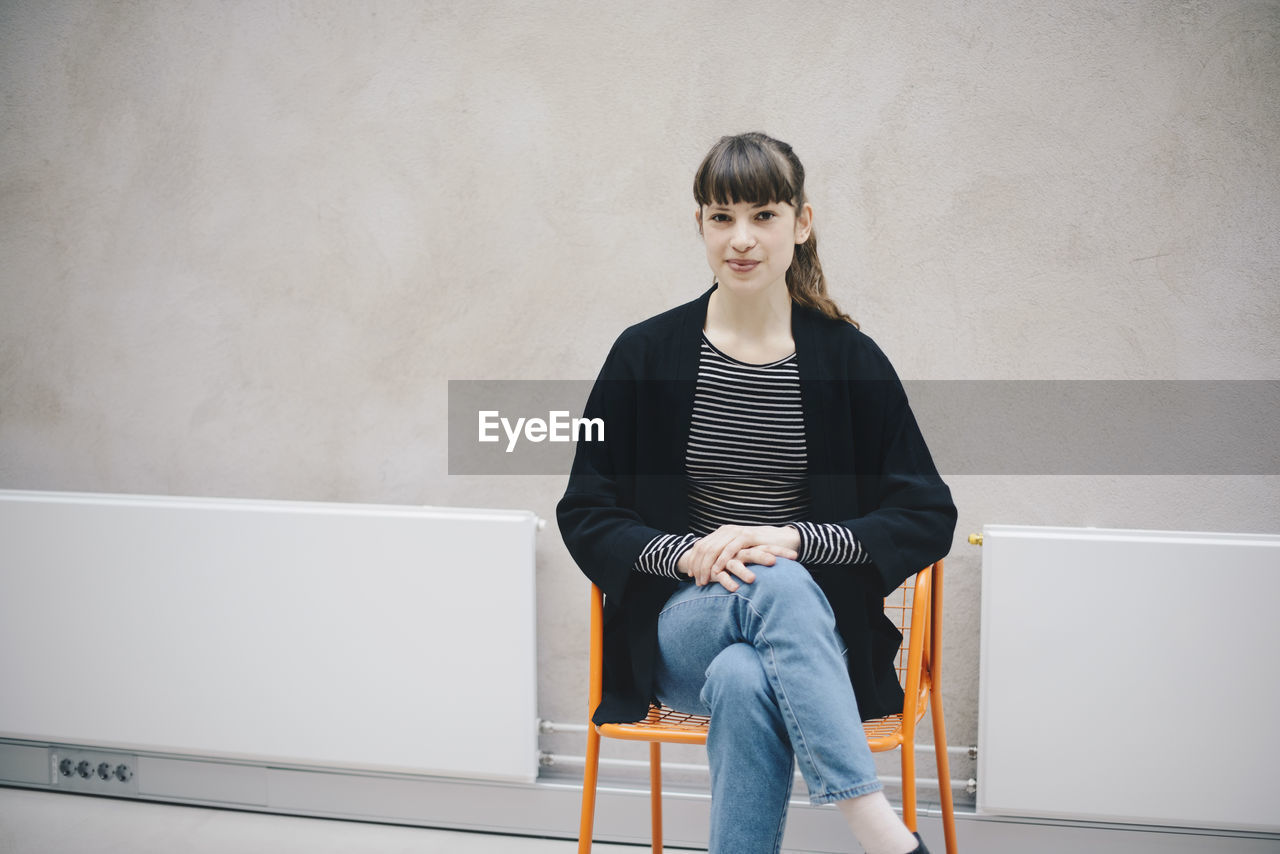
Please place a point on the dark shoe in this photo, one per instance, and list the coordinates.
(919, 849)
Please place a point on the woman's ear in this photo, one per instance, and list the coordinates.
(697, 217)
(804, 222)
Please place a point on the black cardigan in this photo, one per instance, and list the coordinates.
(869, 469)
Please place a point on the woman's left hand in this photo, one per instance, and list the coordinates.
(739, 544)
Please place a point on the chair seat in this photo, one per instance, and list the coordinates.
(661, 724)
(666, 724)
(883, 733)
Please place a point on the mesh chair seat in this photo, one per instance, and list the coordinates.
(883, 733)
(661, 723)
(668, 725)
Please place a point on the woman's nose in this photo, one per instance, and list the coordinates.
(742, 239)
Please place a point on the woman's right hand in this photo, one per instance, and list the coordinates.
(722, 556)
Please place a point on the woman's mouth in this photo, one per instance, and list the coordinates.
(742, 265)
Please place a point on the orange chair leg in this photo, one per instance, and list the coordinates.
(908, 782)
(590, 775)
(655, 793)
(944, 773)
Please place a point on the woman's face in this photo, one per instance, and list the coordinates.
(749, 246)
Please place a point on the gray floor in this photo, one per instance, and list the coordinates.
(40, 822)
(34, 822)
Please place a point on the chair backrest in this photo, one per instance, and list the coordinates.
(916, 608)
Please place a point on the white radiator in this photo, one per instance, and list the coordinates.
(1130, 676)
(335, 635)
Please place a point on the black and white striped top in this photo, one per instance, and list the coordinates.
(747, 463)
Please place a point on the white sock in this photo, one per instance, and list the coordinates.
(876, 825)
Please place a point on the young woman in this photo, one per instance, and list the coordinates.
(763, 485)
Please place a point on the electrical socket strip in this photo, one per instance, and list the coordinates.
(96, 771)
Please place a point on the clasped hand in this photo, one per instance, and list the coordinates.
(722, 556)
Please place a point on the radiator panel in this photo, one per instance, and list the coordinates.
(338, 635)
(1130, 676)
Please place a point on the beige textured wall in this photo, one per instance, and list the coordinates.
(244, 245)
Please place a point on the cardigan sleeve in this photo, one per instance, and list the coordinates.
(597, 518)
(907, 516)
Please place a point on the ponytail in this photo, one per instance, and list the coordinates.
(808, 286)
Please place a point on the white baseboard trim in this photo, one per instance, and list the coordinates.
(547, 808)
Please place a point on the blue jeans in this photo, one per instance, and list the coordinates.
(767, 664)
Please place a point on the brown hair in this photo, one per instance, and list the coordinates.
(758, 169)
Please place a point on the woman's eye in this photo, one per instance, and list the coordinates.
(719, 217)
(766, 215)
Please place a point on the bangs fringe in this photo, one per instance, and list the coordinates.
(744, 169)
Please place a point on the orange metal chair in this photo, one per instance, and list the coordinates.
(915, 607)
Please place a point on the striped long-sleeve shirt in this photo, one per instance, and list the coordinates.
(746, 463)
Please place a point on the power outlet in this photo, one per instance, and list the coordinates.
(99, 771)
